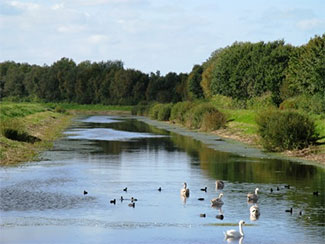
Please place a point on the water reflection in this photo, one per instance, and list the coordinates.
(49, 193)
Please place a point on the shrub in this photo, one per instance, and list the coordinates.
(179, 110)
(262, 102)
(310, 104)
(285, 130)
(154, 110)
(164, 112)
(140, 110)
(213, 121)
(59, 109)
(195, 116)
(221, 101)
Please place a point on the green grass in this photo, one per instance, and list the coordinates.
(242, 119)
(10, 110)
(94, 107)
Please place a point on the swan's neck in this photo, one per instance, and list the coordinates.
(241, 230)
(256, 191)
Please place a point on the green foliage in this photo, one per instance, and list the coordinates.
(140, 109)
(59, 109)
(309, 104)
(194, 82)
(179, 110)
(12, 110)
(164, 112)
(195, 116)
(306, 70)
(285, 130)
(246, 70)
(154, 110)
(221, 101)
(213, 121)
(263, 102)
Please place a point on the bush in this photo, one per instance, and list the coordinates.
(195, 116)
(164, 112)
(178, 111)
(154, 110)
(213, 121)
(285, 130)
(262, 102)
(140, 110)
(310, 104)
(221, 101)
(59, 109)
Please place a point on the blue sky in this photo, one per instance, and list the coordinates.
(149, 35)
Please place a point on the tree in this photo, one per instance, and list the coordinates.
(306, 70)
(194, 82)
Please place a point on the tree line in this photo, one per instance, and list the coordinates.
(241, 71)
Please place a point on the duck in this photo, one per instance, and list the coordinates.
(220, 216)
(204, 189)
(122, 198)
(220, 184)
(185, 192)
(233, 234)
(271, 190)
(201, 199)
(289, 210)
(85, 192)
(203, 215)
(217, 201)
(133, 199)
(159, 189)
(132, 204)
(125, 189)
(315, 193)
(287, 186)
(113, 201)
(254, 212)
(253, 196)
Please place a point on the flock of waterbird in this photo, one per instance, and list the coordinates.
(217, 202)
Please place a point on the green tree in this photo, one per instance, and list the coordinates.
(306, 70)
(194, 82)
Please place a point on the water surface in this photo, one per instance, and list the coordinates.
(43, 202)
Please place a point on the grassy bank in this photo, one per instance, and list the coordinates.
(240, 124)
(45, 122)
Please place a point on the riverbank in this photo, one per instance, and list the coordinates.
(48, 125)
(232, 140)
(43, 122)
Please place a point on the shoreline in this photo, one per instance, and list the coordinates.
(220, 140)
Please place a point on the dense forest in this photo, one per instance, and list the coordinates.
(242, 71)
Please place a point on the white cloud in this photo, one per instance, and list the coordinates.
(57, 6)
(309, 24)
(98, 38)
(25, 5)
(70, 28)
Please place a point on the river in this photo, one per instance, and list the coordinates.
(44, 201)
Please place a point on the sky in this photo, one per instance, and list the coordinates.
(149, 35)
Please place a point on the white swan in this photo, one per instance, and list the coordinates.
(217, 201)
(234, 234)
(253, 196)
(219, 184)
(185, 192)
(254, 212)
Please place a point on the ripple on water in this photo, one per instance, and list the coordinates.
(17, 199)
